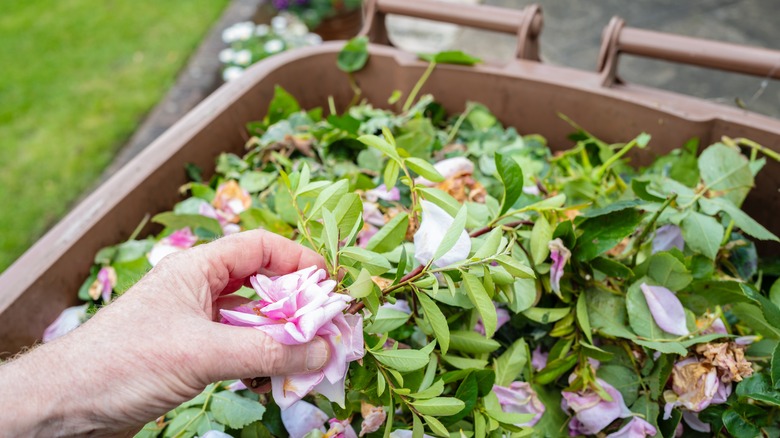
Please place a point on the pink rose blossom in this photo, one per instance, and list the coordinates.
(433, 226)
(381, 192)
(666, 309)
(68, 320)
(520, 398)
(177, 241)
(303, 417)
(636, 428)
(293, 309)
(591, 412)
(231, 200)
(560, 256)
(503, 318)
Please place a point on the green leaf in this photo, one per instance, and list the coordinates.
(379, 144)
(439, 406)
(440, 198)
(254, 217)
(739, 426)
(611, 267)
(725, 169)
(405, 360)
(354, 55)
(555, 369)
(348, 212)
(702, 234)
(524, 295)
(541, 235)
(390, 175)
(602, 233)
(515, 267)
(741, 219)
(752, 316)
(775, 367)
(235, 411)
(362, 286)
(759, 387)
(437, 320)
(468, 391)
(482, 302)
(375, 263)
(453, 234)
(613, 207)
(546, 315)
(464, 363)
(391, 235)
(645, 407)
(511, 175)
(472, 342)
(253, 181)
(387, 320)
(424, 169)
(607, 313)
(624, 379)
(511, 363)
(282, 105)
(255, 430)
(663, 347)
(582, 317)
(450, 57)
(182, 423)
(194, 221)
(434, 390)
(666, 270)
(329, 197)
(330, 235)
(436, 426)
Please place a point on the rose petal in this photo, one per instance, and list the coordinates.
(303, 417)
(433, 227)
(667, 237)
(693, 421)
(448, 168)
(68, 320)
(290, 389)
(560, 255)
(666, 309)
(636, 428)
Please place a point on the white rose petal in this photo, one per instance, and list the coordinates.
(433, 227)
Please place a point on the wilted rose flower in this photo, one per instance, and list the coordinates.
(68, 320)
(502, 315)
(231, 200)
(104, 284)
(458, 180)
(303, 417)
(381, 192)
(340, 429)
(667, 237)
(520, 398)
(636, 428)
(434, 225)
(373, 418)
(591, 412)
(695, 385)
(560, 255)
(539, 358)
(728, 358)
(666, 308)
(175, 242)
(293, 309)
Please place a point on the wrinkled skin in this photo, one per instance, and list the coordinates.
(156, 346)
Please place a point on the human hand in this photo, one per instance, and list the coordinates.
(157, 345)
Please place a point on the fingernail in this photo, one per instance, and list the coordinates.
(259, 381)
(317, 354)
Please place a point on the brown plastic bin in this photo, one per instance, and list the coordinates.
(523, 93)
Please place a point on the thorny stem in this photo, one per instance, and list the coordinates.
(406, 279)
(753, 145)
(487, 229)
(646, 231)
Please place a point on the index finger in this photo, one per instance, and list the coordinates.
(250, 252)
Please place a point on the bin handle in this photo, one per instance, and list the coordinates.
(618, 38)
(525, 23)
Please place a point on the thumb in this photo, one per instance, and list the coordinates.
(240, 352)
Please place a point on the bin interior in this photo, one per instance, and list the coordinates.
(524, 94)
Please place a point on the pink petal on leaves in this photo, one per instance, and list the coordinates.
(666, 309)
(302, 418)
(636, 428)
(560, 256)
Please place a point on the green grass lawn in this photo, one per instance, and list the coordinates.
(76, 78)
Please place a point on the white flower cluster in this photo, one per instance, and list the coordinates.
(249, 43)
